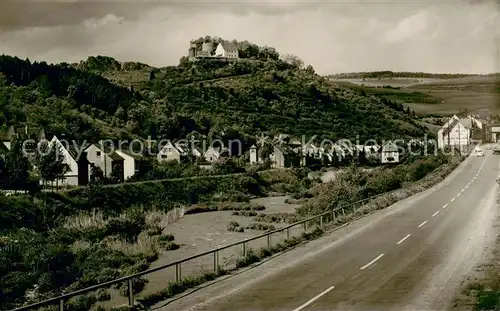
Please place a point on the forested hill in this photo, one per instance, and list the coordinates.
(103, 98)
(391, 74)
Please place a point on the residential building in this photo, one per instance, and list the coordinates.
(176, 152)
(389, 153)
(131, 162)
(171, 152)
(78, 165)
(216, 154)
(455, 133)
(226, 50)
(109, 161)
(283, 156)
(23, 132)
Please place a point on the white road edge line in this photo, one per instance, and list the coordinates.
(420, 226)
(435, 213)
(445, 206)
(372, 262)
(403, 239)
(314, 299)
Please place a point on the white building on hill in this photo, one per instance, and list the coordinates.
(227, 50)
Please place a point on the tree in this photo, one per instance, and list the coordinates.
(96, 175)
(293, 60)
(49, 162)
(17, 165)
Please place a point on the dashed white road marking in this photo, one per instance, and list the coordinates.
(458, 194)
(420, 226)
(314, 298)
(452, 200)
(437, 212)
(403, 239)
(445, 206)
(372, 262)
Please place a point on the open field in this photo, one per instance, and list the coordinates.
(435, 96)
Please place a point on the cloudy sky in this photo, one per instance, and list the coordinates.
(333, 36)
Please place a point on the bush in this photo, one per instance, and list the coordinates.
(261, 226)
(235, 227)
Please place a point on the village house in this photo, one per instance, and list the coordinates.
(456, 133)
(216, 154)
(22, 132)
(131, 162)
(110, 162)
(389, 153)
(171, 152)
(78, 165)
(283, 156)
(176, 152)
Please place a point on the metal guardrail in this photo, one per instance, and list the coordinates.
(329, 216)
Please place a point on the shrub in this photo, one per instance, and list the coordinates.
(235, 227)
(261, 226)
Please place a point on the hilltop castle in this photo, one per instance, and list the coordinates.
(224, 50)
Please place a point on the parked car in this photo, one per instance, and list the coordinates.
(479, 152)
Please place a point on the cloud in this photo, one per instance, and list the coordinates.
(331, 36)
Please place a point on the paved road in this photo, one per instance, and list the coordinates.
(410, 259)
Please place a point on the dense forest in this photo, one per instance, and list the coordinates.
(103, 98)
(391, 74)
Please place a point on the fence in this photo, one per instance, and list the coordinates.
(319, 220)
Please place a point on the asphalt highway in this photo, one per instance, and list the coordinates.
(408, 260)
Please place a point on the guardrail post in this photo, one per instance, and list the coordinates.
(178, 272)
(305, 225)
(321, 221)
(343, 211)
(216, 262)
(244, 249)
(61, 305)
(130, 292)
(269, 241)
(288, 233)
(333, 216)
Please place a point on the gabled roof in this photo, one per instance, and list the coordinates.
(450, 125)
(390, 147)
(286, 150)
(229, 46)
(131, 154)
(107, 151)
(7, 134)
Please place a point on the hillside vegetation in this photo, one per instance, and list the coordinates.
(103, 98)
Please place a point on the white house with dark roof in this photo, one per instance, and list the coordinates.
(227, 50)
(77, 173)
(109, 161)
(389, 153)
(170, 152)
(455, 133)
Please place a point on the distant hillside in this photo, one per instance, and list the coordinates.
(93, 100)
(391, 74)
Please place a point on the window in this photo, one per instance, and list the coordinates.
(98, 154)
(163, 156)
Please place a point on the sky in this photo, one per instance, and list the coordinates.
(452, 36)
